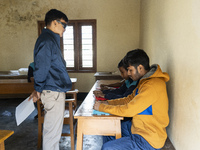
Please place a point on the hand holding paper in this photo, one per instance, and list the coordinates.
(34, 96)
(23, 110)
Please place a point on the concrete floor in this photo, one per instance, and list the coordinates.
(25, 135)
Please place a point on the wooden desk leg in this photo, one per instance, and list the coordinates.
(71, 125)
(118, 129)
(2, 147)
(79, 142)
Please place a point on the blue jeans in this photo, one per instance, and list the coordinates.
(128, 141)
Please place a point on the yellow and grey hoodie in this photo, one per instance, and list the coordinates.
(147, 105)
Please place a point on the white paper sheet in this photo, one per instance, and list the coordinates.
(23, 110)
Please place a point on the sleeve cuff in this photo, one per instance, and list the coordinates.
(101, 107)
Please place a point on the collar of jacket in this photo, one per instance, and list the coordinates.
(156, 72)
(54, 35)
(152, 70)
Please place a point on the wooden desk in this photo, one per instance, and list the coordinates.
(10, 75)
(4, 134)
(15, 86)
(89, 124)
(9, 87)
(107, 76)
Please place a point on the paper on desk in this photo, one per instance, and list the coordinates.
(23, 110)
(96, 112)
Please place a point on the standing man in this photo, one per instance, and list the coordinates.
(51, 79)
(147, 105)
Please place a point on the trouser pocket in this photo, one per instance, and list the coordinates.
(49, 99)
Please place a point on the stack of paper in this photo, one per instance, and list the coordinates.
(23, 110)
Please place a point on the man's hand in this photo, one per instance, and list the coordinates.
(104, 87)
(98, 93)
(32, 79)
(98, 103)
(35, 95)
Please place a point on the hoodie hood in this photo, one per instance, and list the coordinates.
(155, 71)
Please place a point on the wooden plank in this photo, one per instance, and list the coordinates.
(21, 86)
(11, 75)
(107, 76)
(4, 134)
(16, 86)
(97, 126)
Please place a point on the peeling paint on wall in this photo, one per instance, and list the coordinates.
(117, 22)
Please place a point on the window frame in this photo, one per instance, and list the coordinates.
(77, 44)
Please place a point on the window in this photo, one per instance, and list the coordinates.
(78, 45)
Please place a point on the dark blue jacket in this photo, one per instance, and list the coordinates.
(123, 91)
(50, 68)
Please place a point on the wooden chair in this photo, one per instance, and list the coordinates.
(70, 108)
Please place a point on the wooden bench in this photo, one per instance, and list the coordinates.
(4, 134)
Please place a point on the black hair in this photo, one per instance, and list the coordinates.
(54, 14)
(121, 64)
(137, 57)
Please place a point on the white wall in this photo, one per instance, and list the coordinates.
(170, 33)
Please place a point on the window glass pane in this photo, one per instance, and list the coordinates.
(87, 48)
(68, 46)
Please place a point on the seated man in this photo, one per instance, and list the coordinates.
(124, 90)
(147, 105)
